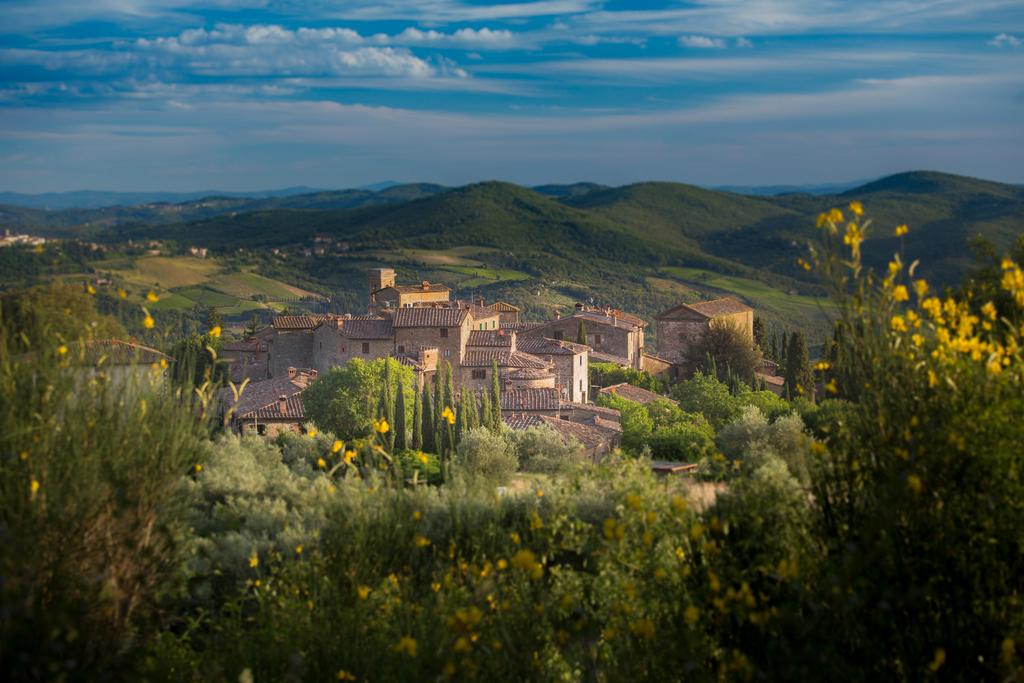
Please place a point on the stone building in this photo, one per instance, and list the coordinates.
(339, 339)
(248, 358)
(530, 402)
(571, 362)
(270, 406)
(596, 441)
(290, 342)
(683, 326)
(506, 311)
(386, 294)
(613, 336)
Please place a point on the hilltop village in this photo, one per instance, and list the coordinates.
(542, 367)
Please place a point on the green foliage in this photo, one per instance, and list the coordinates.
(46, 316)
(346, 400)
(704, 394)
(91, 481)
(726, 349)
(541, 449)
(752, 440)
(798, 374)
(401, 438)
(661, 429)
(607, 374)
(485, 458)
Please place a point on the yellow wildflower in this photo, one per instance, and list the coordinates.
(901, 230)
(381, 426)
(994, 365)
(349, 456)
(679, 503)
(921, 288)
(899, 293)
(448, 415)
(152, 297)
(524, 559)
(363, 592)
(298, 550)
(803, 264)
(914, 483)
(90, 289)
(343, 675)
(254, 560)
(197, 467)
(407, 645)
(38, 249)
(898, 324)
(831, 387)
(311, 433)
(421, 541)
(122, 294)
(643, 628)
(321, 463)
(33, 489)
(989, 309)
(634, 501)
(163, 363)
(938, 660)
(215, 331)
(933, 379)
(822, 365)
(148, 321)
(857, 208)
(336, 446)
(62, 349)
(462, 644)
(502, 564)
(417, 515)
(691, 615)
(422, 457)
(835, 215)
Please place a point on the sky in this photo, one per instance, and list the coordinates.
(235, 95)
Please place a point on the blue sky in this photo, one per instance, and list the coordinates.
(254, 94)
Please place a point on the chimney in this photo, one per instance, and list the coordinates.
(579, 306)
(426, 286)
(480, 301)
(291, 373)
(312, 375)
(282, 403)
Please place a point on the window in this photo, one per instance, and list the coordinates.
(261, 430)
(444, 333)
(581, 386)
(581, 360)
(321, 346)
(401, 349)
(366, 347)
(479, 374)
(558, 335)
(447, 353)
(597, 339)
(494, 324)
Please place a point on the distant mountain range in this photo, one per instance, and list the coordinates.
(589, 225)
(96, 199)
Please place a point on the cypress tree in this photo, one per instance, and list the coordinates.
(494, 419)
(581, 334)
(759, 332)
(773, 352)
(417, 418)
(428, 422)
(485, 409)
(474, 418)
(447, 434)
(401, 436)
(388, 396)
(799, 376)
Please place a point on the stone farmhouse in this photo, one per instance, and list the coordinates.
(270, 406)
(613, 336)
(681, 327)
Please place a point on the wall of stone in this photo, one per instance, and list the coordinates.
(676, 337)
(611, 339)
(290, 349)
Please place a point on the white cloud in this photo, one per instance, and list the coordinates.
(743, 42)
(1006, 40)
(701, 42)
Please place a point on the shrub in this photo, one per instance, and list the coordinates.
(541, 449)
(345, 400)
(706, 395)
(484, 457)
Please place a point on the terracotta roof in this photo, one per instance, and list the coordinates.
(521, 326)
(410, 362)
(504, 307)
(481, 312)
(368, 328)
(530, 373)
(490, 338)
(632, 393)
(672, 467)
(771, 379)
(705, 309)
(294, 410)
(430, 317)
(588, 435)
(593, 408)
(550, 347)
(520, 400)
(481, 358)
(257, 395)
(117, 352)
(298, 322)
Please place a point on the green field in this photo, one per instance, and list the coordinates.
(184, 282)
(482, 276)
(456, 256)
